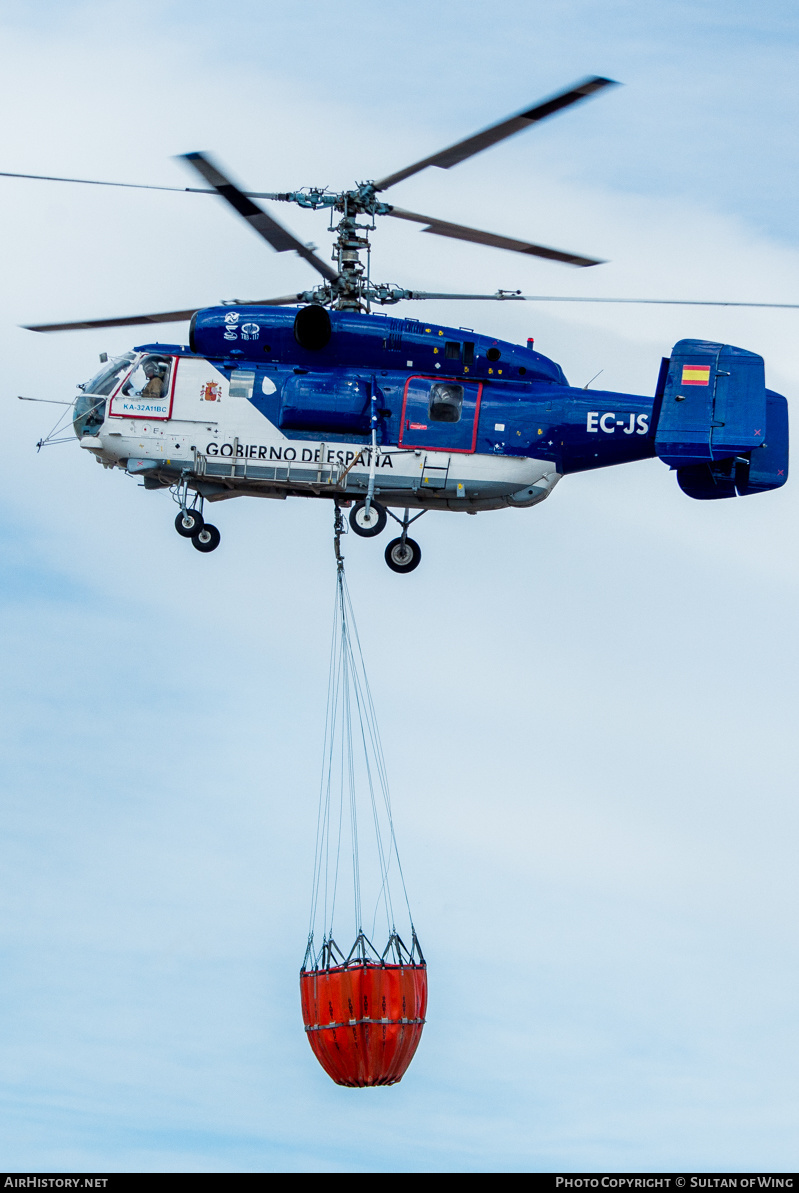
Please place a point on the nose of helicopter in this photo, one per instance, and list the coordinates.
(87, 414)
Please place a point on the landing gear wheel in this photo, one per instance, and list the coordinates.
(368, 525)
(188, 523)
(403, 557)
(207, 538)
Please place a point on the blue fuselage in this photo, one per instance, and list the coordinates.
(515, 401)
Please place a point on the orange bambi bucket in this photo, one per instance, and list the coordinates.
(364, 1020)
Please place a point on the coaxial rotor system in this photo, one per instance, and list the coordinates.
(347, 282)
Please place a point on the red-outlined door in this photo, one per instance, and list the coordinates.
(127, 402)
(426, 400)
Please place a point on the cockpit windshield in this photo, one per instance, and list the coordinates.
(104, 382)
(89, 411)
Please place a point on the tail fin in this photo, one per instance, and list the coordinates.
(718, 425)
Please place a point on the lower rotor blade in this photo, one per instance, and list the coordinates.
(125, 321)
(410, 295)
(162, 317)
(269, 229)
(665, 302)
(515, 296)
(287, 300)
(461, 232)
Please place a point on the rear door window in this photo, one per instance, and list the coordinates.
(440, 413)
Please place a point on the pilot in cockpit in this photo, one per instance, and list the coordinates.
(148, 381)
(155, 380)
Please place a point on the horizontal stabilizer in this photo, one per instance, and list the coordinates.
(713, 404)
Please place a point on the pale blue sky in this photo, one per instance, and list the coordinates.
(594, 769)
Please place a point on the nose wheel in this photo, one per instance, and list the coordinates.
(190, 523)
(206, 539)
(368, 523)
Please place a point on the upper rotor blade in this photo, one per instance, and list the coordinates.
(279, 237)
(498, 132)
(460, 232)
(517, 296)
(162, 317)
(139, 186)
(142, 186)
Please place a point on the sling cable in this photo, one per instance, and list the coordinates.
(363, 1010)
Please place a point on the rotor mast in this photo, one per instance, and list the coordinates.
(351, 240)
(353, 289)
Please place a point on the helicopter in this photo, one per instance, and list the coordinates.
(316, 394)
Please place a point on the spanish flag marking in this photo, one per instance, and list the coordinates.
(695, 375)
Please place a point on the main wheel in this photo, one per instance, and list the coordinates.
(368, 525)
(207, 538)
(403, 557)
(188, 523)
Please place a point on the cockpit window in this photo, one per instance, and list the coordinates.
(105, 381)
(446, 401)
(149, 381)
(88, 414)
